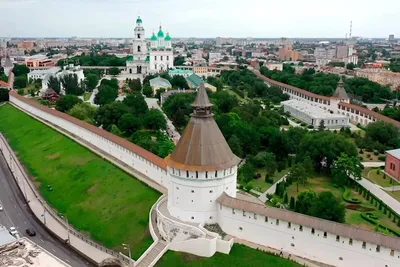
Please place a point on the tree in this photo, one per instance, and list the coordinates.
(297, 174)
(155, 120)
(328, 207)
(83, 111)
(136, 103)
(270, 164)
(305, 201)
(325, 147)
(21, 91)
(321, 126)
(110, 114)
(114, 130)
(147, 90)
(384, 133)
(91, 81)
(178, 61)
(247, 173)
(178, 81)
(159, 91)
(135, 85)
(71, 84)
(292, 204)
(129, 124)
(114, 71)
(345, 168)
(235, 145)
(20, 70)
(20, 81)
(350, 66)
(4, 94)
(106, 95)
(286, 199)
(54, 84)
(66, 102)
(225, 101)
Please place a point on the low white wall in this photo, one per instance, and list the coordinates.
(140, 164)
(203, 247)
(223, 246)
(303, 243)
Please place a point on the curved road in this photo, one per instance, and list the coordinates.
(17, 214)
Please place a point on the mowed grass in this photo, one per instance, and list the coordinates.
(99, 199)
(240, 256)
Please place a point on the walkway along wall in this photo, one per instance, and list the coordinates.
(132, 155)
(94, 252)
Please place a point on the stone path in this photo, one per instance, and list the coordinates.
(392, 188)
(372, 164)
(154, 254)
(263, 197)
(382, 195)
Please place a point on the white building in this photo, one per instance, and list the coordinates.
(8, 66)
(313, 115)
(273, 66)
(158, 57)
(41, 73)
(67, 70)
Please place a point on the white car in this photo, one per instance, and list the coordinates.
(13, 231)
(1, 207)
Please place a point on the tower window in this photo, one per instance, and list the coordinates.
(161, 58)
(325, 235)
(192, 191)
(301, 228)
(187, 173)
(350, 241)
(138, 36)
(155, 57)
(337, 238)
(289, 225)
(206, 174)
(364, 245)
(138, 48)
(167, 57)
(197, 174)
(266, 219)
(216, 174)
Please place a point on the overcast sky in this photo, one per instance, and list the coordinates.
(200, 18)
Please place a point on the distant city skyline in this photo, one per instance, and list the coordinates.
(201, 19)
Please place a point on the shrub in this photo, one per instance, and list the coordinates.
(369, 217)
(378, 171)
(286, 199)
(292, 203)
(361, 151)
(382, 158)
(310, 127)
(368, 155)
(347, 197)
(303, 124)
(376, 153)
(21, 91)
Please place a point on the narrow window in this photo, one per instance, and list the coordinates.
(167, 57)
(350, 241)
(192, 218)
(161, 57)
(210, 217)
(364, 245)
(206, 174)
(277, 221)
(197, 174)
(337, 238)
(378, 248)
(187, 174)
(211, 191)
(289, 225)
(325, 235)
(192, 191)
(266, 219)
(233, 211)
(312, 231)
(255, 216)
(216, 174)
(244, 214)
(392, 252)
(155, 57)
(301, 228)
(138, 36)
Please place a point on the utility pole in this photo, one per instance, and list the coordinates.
(127, 247)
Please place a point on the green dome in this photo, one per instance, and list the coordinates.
(130, 58)
(153, 38)
(160, 33)
(168, 38)
(139, 20)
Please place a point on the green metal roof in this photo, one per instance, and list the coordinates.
(160, 33)
(195, 80)
(153, 38)
(139, 20)
(148, 59)
(130, 58)
(168, 38)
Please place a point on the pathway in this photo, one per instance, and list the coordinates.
(171, 130)
(372, 164)
(392, 188)
(270, 191)
(382, 195)
(152, 255)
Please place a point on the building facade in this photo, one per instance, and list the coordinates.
(392, 164)
(153, 58)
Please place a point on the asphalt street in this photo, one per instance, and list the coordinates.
(17, 214)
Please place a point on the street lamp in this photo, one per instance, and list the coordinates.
(127, 247)
(66, 220)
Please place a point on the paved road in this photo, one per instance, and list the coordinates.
(16, 214)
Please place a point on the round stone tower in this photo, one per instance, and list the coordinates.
(201, 167)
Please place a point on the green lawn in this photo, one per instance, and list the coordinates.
(395, 194)
(372, 175)
(240, 256)
(98, 198)
(260, 184)
(86, 96)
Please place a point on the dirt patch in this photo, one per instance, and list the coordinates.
(79, 161)
(53, 156)
(93, 189)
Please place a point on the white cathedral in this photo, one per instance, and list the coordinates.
(150, 58)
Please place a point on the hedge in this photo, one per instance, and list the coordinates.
(369, 218)
(346, 197)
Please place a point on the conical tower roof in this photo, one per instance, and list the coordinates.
(340, 92)
(202, 146)
(8, 62)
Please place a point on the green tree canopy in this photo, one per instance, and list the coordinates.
(136, 104)
(178, 81)
(106, 95)
(83, 111)
(129, 124)
(66, 102)
(20, 70)
(155, 120)
(345, 168)
(110, 114)
(71, 84)
(91, 81)
(4, 94)
(384, 133)
(54, 83)
(147, 90)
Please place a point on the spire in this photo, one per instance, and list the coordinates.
(202, 146)
(340, 92)
(139, 20)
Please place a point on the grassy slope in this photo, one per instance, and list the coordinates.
(97, 197)
(240, 256)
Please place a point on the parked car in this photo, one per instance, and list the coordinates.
(30, 231)
(1, 208)
(13, 231)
